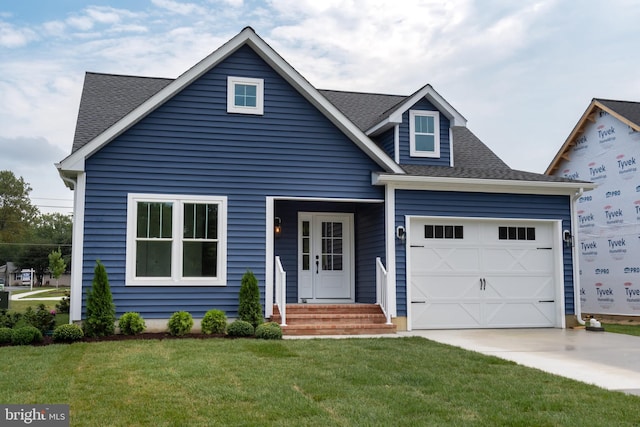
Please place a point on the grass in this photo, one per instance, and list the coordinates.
(20, 306)
(383, 381)
(630, 329)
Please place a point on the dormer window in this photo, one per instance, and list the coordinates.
(424, 131)
(245, 95)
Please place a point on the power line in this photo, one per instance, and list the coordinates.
(36, 244)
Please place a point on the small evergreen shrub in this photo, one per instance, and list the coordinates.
(249, 307)
(180, 323)
(5, 335)
(101, 312)
(8, 320)
(67, 333)
(240, 328)
(214, 322)
(269, 331)
(65, 304)
(26, 335)
(131, 323)
(41, 318)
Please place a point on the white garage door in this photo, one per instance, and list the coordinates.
(482, 274)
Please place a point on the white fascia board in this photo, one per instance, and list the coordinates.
(312, 95)
(434, 97)
(388, 123)
(412, 182)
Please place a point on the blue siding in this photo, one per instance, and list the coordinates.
(387, 142)
(481, 205)
(190, 145)
(445, 146)
(369, 242)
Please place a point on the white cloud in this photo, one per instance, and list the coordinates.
(14, 37)
(178, 7)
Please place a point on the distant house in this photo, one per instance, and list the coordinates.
(604, 147)
(9, 273)
(240, 163)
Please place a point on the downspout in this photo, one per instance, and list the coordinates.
(576, 259)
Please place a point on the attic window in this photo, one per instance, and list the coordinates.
(424, 133)
(245, 95)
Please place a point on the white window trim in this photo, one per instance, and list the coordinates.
(231, 105)
(412, 137)
(176, 278)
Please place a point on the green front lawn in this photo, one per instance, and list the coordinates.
(629, 329)
(342, 382)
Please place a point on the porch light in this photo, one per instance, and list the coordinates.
(278, 226)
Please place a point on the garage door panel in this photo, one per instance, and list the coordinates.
(520, 260)
(533, 287)
(428, 288)
(482, 279)
(519, 314)
(446, 315)
(438, 259)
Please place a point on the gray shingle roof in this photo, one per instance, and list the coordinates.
(363, 109)
(628, 109)
(106, 98)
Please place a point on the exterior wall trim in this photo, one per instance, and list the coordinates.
(412, 182)
(77, 249)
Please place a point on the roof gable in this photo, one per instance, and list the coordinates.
(84, 149)
(393, 116)
(625, 111)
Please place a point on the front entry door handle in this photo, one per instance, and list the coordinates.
(317, 264)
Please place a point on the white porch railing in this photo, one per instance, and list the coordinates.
(281, 291)
(382, 290)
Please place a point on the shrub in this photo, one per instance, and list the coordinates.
(26, 335)
(5, 335)
(240, 328)
(67, 333)
(249, 308)
(9, 320)
(101, 312)
(42, 318)
(214, 322)
(65, 304)
(131, 323)
(269, 331)
(180, 323)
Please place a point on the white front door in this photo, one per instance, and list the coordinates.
(325, 257)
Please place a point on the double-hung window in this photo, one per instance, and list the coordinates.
(424, 133)
(176, 240)
(245, 95)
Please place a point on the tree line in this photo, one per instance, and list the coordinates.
(27, 236)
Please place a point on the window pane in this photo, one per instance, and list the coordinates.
(153, 259)
(143, 220)
(305, 245)
(245, 95)
(448, 231)
(502, 233)
(199, 259)
(305, 228)
(212, 222)
(425, 142)
(428, 231)
(459, 231)
(531, 234)
(305, 262)
(439, 231)
(154, 220)
(512, 233)
(522, 233)
(189, 221)
(337, 229)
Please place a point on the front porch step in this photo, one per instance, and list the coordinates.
(333, 319)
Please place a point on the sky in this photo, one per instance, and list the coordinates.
(521, 72)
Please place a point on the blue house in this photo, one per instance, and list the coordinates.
(329, 197)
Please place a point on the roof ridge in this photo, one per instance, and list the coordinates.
(127, 75)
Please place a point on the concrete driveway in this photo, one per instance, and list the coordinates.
(608, 360)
